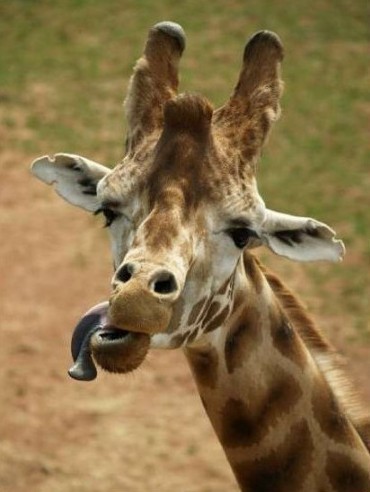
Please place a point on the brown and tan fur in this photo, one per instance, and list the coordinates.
(184, 213)
(287, 423)
(331, 363)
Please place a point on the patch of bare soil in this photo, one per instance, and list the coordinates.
(142, 433)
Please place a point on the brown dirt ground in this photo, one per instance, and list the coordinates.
(144, 432)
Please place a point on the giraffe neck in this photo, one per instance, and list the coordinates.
(279, 423)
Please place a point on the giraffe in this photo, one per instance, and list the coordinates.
(184, 215)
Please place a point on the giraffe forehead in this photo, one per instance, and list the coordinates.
(189, 183)
(179, 168)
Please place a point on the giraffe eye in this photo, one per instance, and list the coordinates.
(241, 236)
(109, 214)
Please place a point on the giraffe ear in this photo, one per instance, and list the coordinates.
(75, 178)
(300, 238)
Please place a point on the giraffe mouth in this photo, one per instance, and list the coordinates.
(114, 349)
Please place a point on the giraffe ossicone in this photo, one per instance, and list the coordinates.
(184, 214)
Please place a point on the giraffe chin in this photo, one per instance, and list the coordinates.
(112, 348)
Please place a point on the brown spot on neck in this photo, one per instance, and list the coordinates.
(204, 364)
(211, 312)
(178, 340)
(345, 475)
(285, 338)
(247, 422)
(196, 310)
(218, 320)
(284, 469)
(243, 336)
(192, 336)
(228, 284)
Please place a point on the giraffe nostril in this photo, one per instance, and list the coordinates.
(125, 273)
(164, 283)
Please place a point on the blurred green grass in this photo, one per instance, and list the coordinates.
(64, 66)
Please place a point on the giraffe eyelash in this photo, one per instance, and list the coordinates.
(109, 215)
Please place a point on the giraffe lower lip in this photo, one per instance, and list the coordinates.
(117, 350)
(96, 340)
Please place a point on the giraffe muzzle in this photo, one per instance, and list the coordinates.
(114, 349)
(137, 308)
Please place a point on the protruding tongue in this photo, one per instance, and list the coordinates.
(84, 368)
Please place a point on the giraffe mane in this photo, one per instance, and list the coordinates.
(330, 362)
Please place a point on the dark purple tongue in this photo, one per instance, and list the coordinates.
(84, 368)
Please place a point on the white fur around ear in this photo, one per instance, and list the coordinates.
(74, 178)
(300, 238)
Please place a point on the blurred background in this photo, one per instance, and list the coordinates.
(64, 68)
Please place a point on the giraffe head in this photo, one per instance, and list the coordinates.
(183, 203)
